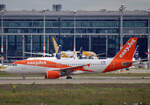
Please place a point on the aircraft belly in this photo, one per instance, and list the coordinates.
(27, 69)
(95, 68)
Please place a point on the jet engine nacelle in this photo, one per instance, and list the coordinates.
(52, 75)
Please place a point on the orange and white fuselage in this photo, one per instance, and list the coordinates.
(54, 68)
(44, 64)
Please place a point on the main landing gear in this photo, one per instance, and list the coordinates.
(67, 74)
(68, 77)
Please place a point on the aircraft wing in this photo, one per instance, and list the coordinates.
(73, 68)
(38, 53)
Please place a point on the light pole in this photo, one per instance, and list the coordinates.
(74, 38)
(2, 32)
(122, 10)
(44, 49)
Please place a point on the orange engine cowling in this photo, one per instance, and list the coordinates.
(52, 75)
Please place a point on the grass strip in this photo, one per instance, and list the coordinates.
(89, 94)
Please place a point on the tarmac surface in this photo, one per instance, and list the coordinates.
(76, 80)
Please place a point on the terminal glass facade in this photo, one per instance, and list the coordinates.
(99, 35)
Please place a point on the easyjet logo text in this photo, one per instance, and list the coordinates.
(36, 63)
(127, 48)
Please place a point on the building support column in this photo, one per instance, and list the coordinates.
(89, 42)
(7, 48)
(23, 46)
(31, 46)
(106, 46)
(48, 46)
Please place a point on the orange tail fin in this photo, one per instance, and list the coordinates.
(128, 50)
(124, 57)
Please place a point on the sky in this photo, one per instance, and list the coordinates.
(90, 5)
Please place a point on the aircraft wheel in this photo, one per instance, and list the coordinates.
(68, 77)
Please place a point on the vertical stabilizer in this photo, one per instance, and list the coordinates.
(127, 52)
(124, 57)
(56, 47)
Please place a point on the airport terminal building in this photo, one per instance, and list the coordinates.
(98, 31)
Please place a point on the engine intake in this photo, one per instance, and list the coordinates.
(52, 75)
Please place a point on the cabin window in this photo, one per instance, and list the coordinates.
(12, 65)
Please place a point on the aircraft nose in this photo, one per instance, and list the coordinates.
(3, 67)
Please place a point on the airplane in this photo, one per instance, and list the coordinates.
(54, 68)
(70, 54)
(67, 54)
(39, 53)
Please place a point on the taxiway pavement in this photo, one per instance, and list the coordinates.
(76, 80)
